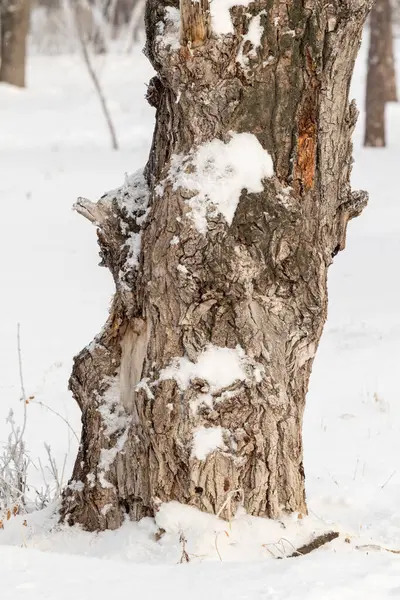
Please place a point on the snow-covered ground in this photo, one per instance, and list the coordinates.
(54, 146)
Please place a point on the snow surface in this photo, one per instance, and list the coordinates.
(54, 148)
(221, 172)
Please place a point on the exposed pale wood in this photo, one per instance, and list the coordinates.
(195, 22)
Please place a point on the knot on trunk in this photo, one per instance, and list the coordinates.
(348, 210)
(154, 92)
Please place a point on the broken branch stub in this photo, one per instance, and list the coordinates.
(195, 22)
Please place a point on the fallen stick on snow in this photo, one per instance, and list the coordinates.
(376, 547)
(316, 543)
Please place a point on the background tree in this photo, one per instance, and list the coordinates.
(392, 95)
(381, 78)
(195, 388)
(14, 31)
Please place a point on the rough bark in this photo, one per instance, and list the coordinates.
(14, 30)
(258, 283)
(381, 77)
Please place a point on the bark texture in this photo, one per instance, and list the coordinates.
(381, 78)
(14, 31)
(257, 285)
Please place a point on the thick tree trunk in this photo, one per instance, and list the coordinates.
(14, 31)
(381, 78)
(195, 389)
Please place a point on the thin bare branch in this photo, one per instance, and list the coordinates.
(95, 79)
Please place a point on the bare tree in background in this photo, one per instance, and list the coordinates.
(392, 95)
(196, 283)
(92, 73)
(14, 31)
(381, 78)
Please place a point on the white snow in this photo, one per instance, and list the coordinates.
(169, 29)
(108, 456)
(221, 172)
(206, 440)
(133, 245)
(221, 21)
(199, 400)
(111, 409)
(54, 147)
(133, 196)
(219, 367)
(115, 420)
(254, 36)
(182, 269)
(133, 200)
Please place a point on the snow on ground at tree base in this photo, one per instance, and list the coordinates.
(53, 148)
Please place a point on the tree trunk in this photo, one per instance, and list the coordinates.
(391, 64)
(14, 31)
(381, 78)
(195, 389)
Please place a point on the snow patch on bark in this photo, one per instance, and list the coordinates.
(253, 36)
(112, 412)
(221, 21)
(108, 456)
(206, 440)
(168, 31)
(218, 367)
(217, 173)
(201, 400)
(130, 202)
(106, 509)
(132, 199)
(76, 486)
(133, 244)
(115, 419)
(132, 196)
